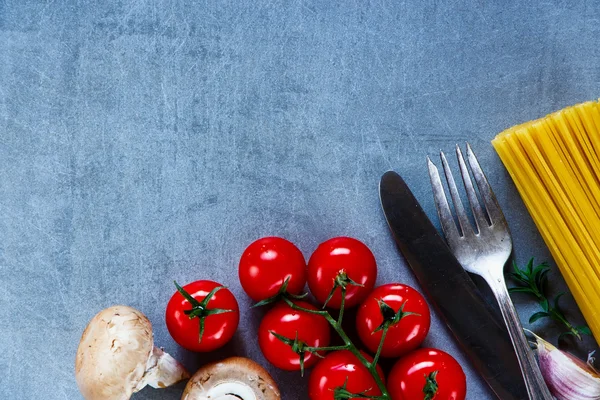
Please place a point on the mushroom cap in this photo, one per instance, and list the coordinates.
(254, 381)
(113, 352)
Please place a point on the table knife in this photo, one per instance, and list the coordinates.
(453, 294)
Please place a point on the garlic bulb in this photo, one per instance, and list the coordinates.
(567, 377)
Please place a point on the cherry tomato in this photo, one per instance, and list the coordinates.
(311, 329)
(218, 328)
(338, 368)
(335, 258)
(414, 377)
(405, 335)
(267, 263)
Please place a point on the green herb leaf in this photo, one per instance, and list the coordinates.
(556, 300)
(584, 330)
(530, 266)
(541, 276)
(538, 315)
(533, 280)
(545, 305)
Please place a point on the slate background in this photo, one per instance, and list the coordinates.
(146, 141)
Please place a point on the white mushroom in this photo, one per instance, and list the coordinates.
(234, 378)
(116, 357)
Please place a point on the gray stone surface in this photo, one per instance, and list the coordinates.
(146, 141)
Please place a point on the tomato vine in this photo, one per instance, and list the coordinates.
(336, 324)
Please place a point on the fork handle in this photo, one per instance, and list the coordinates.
(534, 381)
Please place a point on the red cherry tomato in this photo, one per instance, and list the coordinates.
(341, 255)
(267, 263)
(338, 368)
(402, 337)
(413, 377)
(311, 329)
(218, 328)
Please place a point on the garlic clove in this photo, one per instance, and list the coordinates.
(567, 377)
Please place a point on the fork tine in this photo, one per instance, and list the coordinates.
(441, 203)
(461, 215)
(487, 194)
(478, 213)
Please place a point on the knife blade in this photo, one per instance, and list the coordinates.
(451, 291)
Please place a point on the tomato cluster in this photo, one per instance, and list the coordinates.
(392, 321)
(341, 273)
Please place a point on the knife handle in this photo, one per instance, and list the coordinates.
(534, 381)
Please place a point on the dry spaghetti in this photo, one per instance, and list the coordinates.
(555, 164)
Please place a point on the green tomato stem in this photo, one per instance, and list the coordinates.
(371, 366)
(200, 309)
(341, 316)
(326, 348)
(380, 347)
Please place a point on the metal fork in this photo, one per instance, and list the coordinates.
(484, 251)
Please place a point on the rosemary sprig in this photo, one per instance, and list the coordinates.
(532, 280)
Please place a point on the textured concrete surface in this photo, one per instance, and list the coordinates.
(146, 141)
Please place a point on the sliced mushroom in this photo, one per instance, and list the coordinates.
(234, 378)
(116, 357)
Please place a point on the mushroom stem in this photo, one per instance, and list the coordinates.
(231, 390)
(162, 370)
